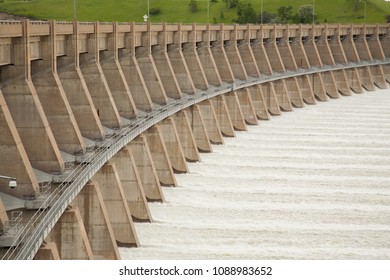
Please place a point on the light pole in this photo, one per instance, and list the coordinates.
(313, 10)
(261, 11)
(147, 16)
(208, 11)
(365, 9)
(74, 9)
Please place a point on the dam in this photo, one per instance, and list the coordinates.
(96, 118)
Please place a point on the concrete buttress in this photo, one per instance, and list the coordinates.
(272, 51)
(146, 168)
(198, 129)
(75, 87)
(310, 43)
(247, 107)
(15, 162)
(247, 56)
(148, 69)
(366, 79)
(132, 185)
(190, 55)
(306, 88)
(178, 62)
(27, 111)
(260, 54)
(207, 60)
(223, 117)
(48, 251)
(95, 217)
(233, 54)
(294, 92)
(342, 81)
(115, 200)
(318, 86)
(330, 84)
(3, 216)
(221, 60)
(378, 76)
(173, 145)
(283, 96)
(258, 101)
(96, 80)
(132, 72)
(270, 100)
(164, 66)
(71, 238)
(186, 136)
(235, 111)
(283, 45)
(114, 75)
(53, 98)
(210, 121)
(159, 153)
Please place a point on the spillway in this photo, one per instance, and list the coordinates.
(309, 184)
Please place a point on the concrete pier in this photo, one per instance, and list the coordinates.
(71, 238)
(118, 210)
(96, 220)
(146, 168)
(223, 117)
(132, 185)
(172, 143)
(209, 118)
(235, 111)
(270, 100)
(258, 102)
(198, 128)
(161, 159)
(186, 136)
(47, 251)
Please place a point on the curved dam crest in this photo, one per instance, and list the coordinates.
(97, 119)
(312, 184)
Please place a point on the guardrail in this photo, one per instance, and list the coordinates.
(43, 221)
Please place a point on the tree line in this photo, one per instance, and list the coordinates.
(285, 14)
(247, 14)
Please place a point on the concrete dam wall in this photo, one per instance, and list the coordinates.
(96, 118)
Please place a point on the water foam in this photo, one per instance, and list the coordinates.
(312, 184)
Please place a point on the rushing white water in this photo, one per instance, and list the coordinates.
(310, 184)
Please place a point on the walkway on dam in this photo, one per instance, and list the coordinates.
(312, 184)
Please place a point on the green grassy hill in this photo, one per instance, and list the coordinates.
(331, 11)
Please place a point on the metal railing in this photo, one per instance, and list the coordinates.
(13, 229)
(43, 221)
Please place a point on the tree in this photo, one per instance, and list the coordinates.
(222, 15)
(193, 6)
(305, 14)
(285, 13)
(232, 3)
(246, 13)
(154, 11)
(267, 17)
